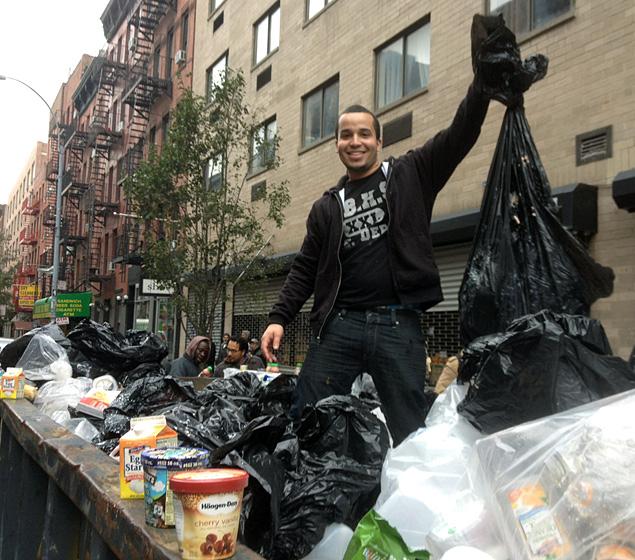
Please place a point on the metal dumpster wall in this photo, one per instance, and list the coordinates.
(59, 497)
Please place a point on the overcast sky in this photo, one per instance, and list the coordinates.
(41, 42)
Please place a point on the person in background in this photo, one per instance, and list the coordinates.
(195, 360)
(245, 334)
(254, 348)
(222, 351)
(238, 355)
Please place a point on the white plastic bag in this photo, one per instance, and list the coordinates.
(563, 487)
(45, 360)
(334, 543)
(59, 395)
(427, 492)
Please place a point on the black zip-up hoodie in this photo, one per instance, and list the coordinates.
(413, 182)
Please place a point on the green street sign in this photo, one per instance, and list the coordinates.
(68, 305)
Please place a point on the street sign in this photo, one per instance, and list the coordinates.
(150, 287)
(62, 320)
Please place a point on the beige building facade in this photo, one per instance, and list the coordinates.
(305, 61)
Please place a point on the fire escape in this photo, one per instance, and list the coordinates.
(27, 270)
(143, 88)
(48, 208)
(74, 186)
(102, 136)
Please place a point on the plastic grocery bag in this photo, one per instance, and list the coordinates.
(375, 538)
(523, 260)
(563, 487)
(543, 364)
(44, 360)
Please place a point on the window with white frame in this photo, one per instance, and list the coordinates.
(319, 113)
(523, 16)
(267, 34)
(403, 65)
(263, 145)
(214, 173)
(214, 5)
(315, 6)
(216, 74)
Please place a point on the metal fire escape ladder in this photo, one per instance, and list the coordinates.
(101, 138)
(142, 88)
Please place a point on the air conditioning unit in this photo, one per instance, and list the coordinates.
(119, 127)
(110, 267)
(180, 57)
(132, 44)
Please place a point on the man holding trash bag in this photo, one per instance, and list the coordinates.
(367, 258)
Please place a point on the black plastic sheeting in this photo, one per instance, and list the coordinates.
(543, 364)
(523, 260)
(303, 477)
(112, 351)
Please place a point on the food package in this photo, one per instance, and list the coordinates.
(151, 432)
(563, 487)
(12, 384)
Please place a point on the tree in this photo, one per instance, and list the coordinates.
(8, 267)
(201, 228)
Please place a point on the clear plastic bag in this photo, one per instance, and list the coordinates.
(56, 396)
(427, 492)
(563, 487)
(45, 360)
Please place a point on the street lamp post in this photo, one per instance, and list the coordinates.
(58, 199)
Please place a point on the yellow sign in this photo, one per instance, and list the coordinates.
(27, 294)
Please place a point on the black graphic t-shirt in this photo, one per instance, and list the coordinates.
(366, 277)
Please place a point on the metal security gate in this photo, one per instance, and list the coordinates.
(451, 262)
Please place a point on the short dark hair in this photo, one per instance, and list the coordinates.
(242, 343)
(359, 109)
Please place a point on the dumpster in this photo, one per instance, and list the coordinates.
(59, 497)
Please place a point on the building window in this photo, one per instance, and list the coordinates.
(315, 6)
(152, 137)
(263, 146)
(214, 173)
(165, 127)
(523, 16)
(267, 34)
(403, 65)
(214, 5)
(216, 74)
(169, 46)
(185, 24)
(319, 113)
(156, 63)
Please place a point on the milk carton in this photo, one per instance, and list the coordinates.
(12, 384)
(151, 432)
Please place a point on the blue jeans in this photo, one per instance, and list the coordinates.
(388, 345)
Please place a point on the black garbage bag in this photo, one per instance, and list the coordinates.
(523, 260)
(110, 349)
(342, 446)
(543, 364)
(496, 61)
(149, 369)
(275, 398)
(144, 398)
(240, 389)
(83, 367)
(12, 352)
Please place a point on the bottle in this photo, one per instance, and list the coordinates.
(210, 370)
(272, 367)
(298, 368)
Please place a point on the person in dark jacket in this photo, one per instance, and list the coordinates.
(367, 258)
(197, 357)
(238, 355)
(222, 351)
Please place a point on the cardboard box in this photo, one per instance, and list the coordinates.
(95, 402)
(12, 384)
(151, 432)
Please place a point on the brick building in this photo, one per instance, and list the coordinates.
(410, 62)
